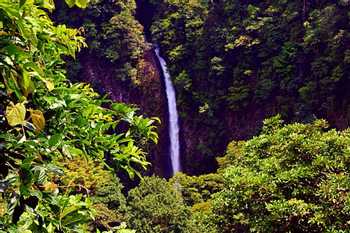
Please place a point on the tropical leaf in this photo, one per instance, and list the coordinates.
(38, 119)
(15, 114)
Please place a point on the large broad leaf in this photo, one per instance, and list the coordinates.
(26, 83)
(15, 114)
(49, 85)
(38, 119)
(55, 140)
(78, 3)
(9, 9)
(70, 3)
(48, 4)
(82, 3)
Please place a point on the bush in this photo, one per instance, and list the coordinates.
(197, 189)
(290, 178)
(156, 206)
(90, 177)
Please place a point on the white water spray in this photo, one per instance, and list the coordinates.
(173, 117)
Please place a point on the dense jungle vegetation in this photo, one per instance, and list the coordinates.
(235, 63)
(65, 149)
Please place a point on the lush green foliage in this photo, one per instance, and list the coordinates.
(255, 58)
(289, 178)
(48, 123)
(292, 178)
(61, 144)
(156, 206)
(247, 51)
(85, 176)
(197, 189)
(112, 34)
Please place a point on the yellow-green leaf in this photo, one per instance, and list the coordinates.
(49, 85)
(15, 114)
(38, 119)
(49, 4)
(26, 83)
(70, 3)
(82, 3)
(78, 3)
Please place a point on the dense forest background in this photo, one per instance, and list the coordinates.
(233, 63)
(83, 116)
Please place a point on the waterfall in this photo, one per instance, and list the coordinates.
(173, 116)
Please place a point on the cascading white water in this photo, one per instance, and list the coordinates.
(173, 117)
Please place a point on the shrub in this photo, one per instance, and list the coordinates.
(197, 189)
(156, 206)
(290, 178)
(90, 177)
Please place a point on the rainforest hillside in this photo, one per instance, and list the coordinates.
(233, 63)
(88, 95)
